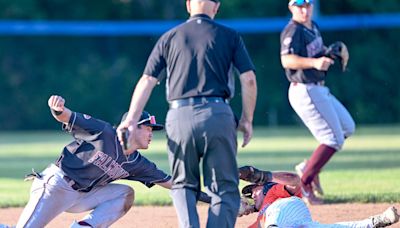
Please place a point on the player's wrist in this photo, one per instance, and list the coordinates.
(56, 113)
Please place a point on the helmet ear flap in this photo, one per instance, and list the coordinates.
(267, 187)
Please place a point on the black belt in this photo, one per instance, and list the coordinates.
(320, 83)
(72, 183)
(196, 101)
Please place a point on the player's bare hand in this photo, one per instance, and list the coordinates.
(323, 63)
(246, 127)
(56, 103)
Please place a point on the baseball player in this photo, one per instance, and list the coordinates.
(302, 56)
(277, 199)
(80, 178)
(198, 56)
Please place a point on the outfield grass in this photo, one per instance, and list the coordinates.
(367, 170)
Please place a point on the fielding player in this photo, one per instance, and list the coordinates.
(80, 179)
(302, 56)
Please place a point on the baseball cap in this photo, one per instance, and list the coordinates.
(247, 191)
(148, 120)
(300, 2)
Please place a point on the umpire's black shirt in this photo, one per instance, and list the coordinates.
(198, 55)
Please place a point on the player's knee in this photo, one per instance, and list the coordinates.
(350, 129)
(129, 198)
(336, 143)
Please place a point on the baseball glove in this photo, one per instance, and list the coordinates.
(338, 51)
(254, 175)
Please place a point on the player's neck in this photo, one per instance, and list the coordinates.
(130, 151)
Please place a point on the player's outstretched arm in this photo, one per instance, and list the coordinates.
(167, 184)
(202, 197)
(257, 176)
(58, 110)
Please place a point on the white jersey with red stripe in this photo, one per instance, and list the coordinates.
(292, 212)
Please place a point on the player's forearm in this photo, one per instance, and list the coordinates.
(167, 184)
(286, 178)
(249, 95)
(63, 116)
(140, 97)
(296, 62)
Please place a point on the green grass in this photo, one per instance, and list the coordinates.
(366, 170)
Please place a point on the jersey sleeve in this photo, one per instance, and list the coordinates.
(291, 40)
(147, 173)
(156, 61)
(241, 58)
(84, 127)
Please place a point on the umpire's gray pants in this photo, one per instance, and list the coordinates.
(207, 132)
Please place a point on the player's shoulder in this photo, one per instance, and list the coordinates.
(292, 29)
(292, 26)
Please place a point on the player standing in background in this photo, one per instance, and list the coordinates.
(80, 179)
(328, 120)
(277, 201)
(200, 124)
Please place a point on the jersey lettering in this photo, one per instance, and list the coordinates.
(112, 168)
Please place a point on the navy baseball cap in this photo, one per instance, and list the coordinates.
(300, 2)
(247, 191)
(148, 120)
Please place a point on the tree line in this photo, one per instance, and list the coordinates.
(97, 74)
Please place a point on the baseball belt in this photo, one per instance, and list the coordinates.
(196, 101)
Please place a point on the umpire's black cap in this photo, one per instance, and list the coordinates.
(148, 120)
(248, 189)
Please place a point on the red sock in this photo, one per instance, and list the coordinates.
(317, 160)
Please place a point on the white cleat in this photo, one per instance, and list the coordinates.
(316, 184)
(387, 218)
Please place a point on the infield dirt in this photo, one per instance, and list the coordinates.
(151, 216)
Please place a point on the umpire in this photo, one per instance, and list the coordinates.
(197, 56)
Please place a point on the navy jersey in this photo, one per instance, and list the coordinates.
(95, 157)
(198, 56)
(299, 40)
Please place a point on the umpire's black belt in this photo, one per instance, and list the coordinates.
(196, 101)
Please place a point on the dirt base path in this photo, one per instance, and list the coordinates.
(165, 217)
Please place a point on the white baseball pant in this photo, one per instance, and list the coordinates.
(51, 195)
(326, 118)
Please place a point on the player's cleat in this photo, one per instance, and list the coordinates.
(387, 218)
(308, 196)
(316, 184)
(76, 224)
